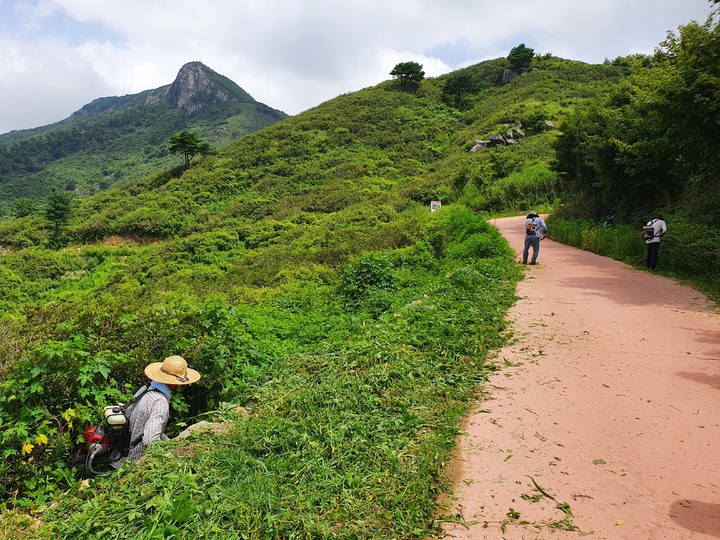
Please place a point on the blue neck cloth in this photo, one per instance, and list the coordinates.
(162, 387)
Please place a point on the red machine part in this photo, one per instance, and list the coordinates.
(96, 434)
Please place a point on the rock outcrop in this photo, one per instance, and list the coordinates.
(197, 85)
(508, 75)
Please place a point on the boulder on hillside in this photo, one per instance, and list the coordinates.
(508, 75)
(479, 146)
(496, 140)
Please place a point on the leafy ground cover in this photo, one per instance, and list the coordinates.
(356, 389)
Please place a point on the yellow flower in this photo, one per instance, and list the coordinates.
(41, 439)
(27, 448)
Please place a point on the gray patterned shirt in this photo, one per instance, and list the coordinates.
(147, 419)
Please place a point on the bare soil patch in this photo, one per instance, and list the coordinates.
(605, 420)
(127, 240)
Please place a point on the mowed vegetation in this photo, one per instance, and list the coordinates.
(301, 271)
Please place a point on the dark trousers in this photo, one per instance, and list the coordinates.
(652, 254)
(534, 243)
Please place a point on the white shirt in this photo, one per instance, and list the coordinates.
(659, 228)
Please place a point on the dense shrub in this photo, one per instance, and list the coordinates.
(150, 221)
(369, 274)
(23, 233)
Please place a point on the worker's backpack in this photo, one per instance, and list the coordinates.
(531, 227)
(109, 442)
(648, 231)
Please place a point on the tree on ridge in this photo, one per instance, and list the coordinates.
(189, 144)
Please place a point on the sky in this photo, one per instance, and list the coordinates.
(58, 55)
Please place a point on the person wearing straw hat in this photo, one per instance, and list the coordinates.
(149, 414)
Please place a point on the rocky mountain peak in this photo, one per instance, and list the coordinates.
(196, 85)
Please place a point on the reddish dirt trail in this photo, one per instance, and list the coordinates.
(609, 399)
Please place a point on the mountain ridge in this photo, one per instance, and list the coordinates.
(121, 138)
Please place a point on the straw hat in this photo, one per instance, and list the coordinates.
(172, 370)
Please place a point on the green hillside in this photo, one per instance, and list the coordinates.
(301, 271)
(358, 162)
(115, 140)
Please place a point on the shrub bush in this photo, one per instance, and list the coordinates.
(150, 221)
(370, 274)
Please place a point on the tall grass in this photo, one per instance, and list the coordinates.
(531, 187)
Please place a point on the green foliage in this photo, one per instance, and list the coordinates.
(150, 220)
(653, 142)
(408, 73)
(459, 83)
(520, 57)
(25, 232)
(621, 242)
(58, 209)
(189, 144)
(342, 431)
(534, 121)
(692, 249)
(371, 273)
(23, 208)
(530, 187)
(378, 390)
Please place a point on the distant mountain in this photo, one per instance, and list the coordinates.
(118, 139)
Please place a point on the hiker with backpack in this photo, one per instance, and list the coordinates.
(651, 233)
(535, 230)
(149, 410)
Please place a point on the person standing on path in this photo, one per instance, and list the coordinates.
(652, 232)
(535, 230)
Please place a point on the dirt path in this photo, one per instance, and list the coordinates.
(609, 402)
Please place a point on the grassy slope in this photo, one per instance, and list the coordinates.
(302, 273)
(126, 142)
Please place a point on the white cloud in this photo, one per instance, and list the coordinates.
(292, 54)
(44, 83)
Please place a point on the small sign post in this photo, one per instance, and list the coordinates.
(435, 205)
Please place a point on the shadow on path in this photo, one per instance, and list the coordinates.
(697, 516)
